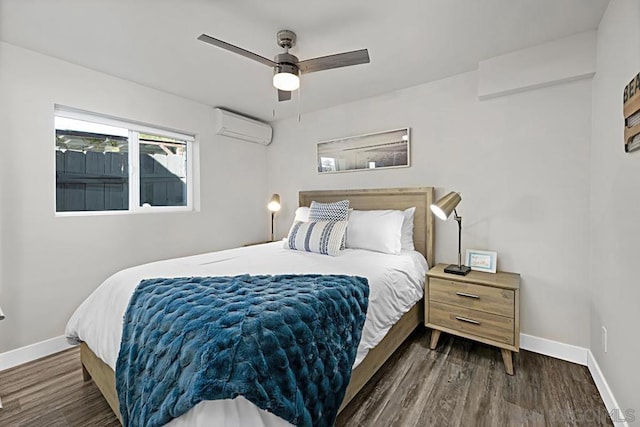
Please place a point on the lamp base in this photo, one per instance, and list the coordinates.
(454, 269)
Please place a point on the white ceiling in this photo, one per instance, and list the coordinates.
(153, 42)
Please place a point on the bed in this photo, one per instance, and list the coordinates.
(97, 326)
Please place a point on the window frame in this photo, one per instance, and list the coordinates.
(135, 129)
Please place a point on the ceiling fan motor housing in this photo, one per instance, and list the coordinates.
(286, 68)
(286, 58)
(287, 63)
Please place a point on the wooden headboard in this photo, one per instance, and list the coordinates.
(388, 198)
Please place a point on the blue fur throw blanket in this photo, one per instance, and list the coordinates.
(285, 343)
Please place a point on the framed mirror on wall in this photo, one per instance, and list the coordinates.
(381, 150)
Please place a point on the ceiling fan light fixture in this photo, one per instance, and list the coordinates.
(285, 77)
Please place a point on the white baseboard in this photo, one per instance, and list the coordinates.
(32, 352)
(616, 413)
(568, 352)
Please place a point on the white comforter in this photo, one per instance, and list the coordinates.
(396, 283)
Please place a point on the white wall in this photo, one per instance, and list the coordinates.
(615, 208)
(50, 264)
(520, 161)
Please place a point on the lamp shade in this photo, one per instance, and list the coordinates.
(286, 81)
(285, 77)
(274, 203)
(445, 205)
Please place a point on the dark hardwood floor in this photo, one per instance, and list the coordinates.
(461, 383)
(50, 392)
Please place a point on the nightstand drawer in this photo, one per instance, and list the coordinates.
(478, 297)
(474, 322)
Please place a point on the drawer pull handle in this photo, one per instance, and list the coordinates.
(464, 294)
(464, 319)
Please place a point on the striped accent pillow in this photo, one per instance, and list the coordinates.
(322, 237)
(336, 211)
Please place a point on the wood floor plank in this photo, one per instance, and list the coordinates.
(460, 383)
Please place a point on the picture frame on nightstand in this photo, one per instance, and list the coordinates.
(478, 260)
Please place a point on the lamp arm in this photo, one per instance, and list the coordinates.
(459, 221)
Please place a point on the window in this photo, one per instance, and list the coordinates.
(106, 164)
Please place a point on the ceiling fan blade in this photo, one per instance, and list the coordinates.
(283, 95)
(338, 60)
(235, 49)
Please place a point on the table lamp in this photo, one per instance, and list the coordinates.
(273, 206)
(442, 209)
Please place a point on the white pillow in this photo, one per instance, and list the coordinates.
(407, 229)
(379, 231)
(302, 214)
(322, 237)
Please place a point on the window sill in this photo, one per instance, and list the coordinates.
(153, 210)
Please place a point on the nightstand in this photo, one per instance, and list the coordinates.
(484, 307)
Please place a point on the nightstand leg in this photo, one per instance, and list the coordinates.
(508, 360)
(435, 335)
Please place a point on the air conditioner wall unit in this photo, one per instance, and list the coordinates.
(236, 126)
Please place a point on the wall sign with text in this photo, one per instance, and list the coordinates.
(631, 105)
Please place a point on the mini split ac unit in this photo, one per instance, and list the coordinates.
(236, 126)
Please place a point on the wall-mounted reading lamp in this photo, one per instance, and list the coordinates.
(273, 206)
(442, 209)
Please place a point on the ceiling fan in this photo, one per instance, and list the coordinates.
(287, 67)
